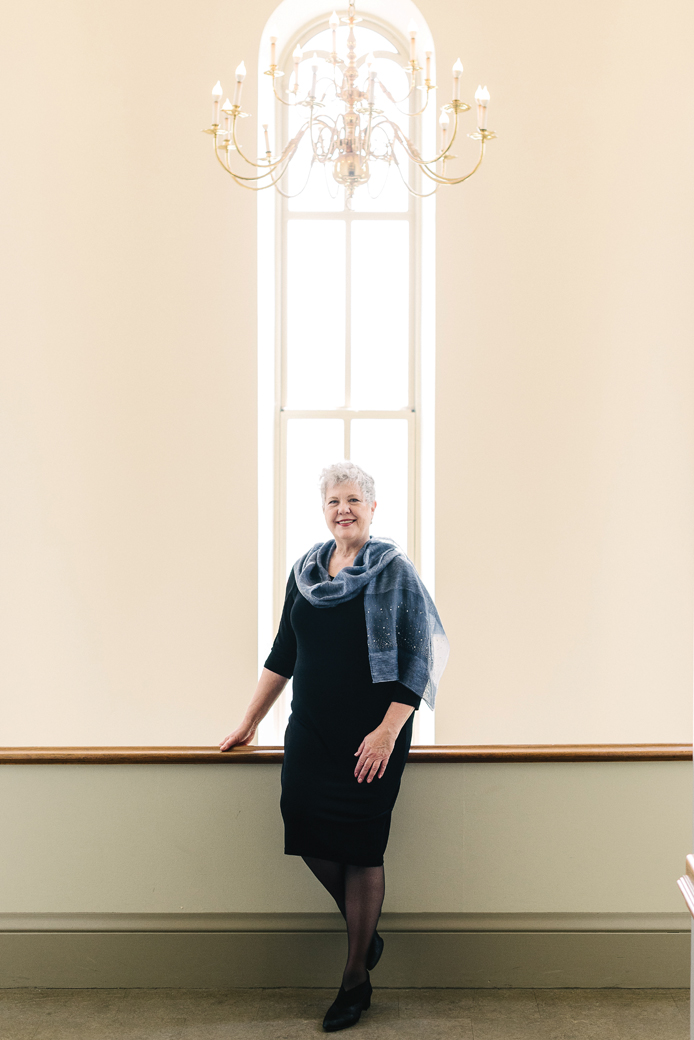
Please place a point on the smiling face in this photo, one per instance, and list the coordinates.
(348, 515)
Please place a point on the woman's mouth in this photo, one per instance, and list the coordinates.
(345, 523)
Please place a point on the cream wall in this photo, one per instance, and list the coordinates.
(128, 321)
(564, 420)
(565, 380)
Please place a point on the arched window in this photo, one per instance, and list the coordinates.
(347, 339)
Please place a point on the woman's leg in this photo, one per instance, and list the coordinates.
(364, 891)
(331, 875)
(358, 892)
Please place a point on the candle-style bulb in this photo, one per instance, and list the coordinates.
(240, 76)
(443, 123)
(216, 97)
(314, 77)
(482, 98)
(372, 85)
(457, 73)
(226, 107)
(334, 20)
(412, 30)
(369, 59)
(298, 53)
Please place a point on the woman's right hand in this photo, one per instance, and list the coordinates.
(243, 734)
(270, 686)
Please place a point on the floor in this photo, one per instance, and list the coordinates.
(291, 1014)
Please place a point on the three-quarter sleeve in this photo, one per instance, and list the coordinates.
(397, 692)
(282, 658)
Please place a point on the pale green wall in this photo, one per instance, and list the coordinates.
(551, 837)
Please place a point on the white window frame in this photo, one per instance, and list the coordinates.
(273, 415)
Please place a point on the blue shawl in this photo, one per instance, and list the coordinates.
(405, 637)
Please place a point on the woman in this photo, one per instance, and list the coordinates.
(364, 643)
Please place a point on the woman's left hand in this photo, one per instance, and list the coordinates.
(374, 752)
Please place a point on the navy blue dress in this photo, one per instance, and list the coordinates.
(326, 812)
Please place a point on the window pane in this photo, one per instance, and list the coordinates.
(380, 313)
(315, 313)
(312, 444)
(380, 447)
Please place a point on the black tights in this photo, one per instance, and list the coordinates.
(358, 892)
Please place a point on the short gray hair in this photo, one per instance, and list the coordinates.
(347, 473)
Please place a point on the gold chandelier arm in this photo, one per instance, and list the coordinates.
(312, 139)
(413, 155)
(287, 104)
(258, 165)
(382, 125)
(404, 112)
(419, 194)
(289, 150)
(320, 121)
(297, 104)
(239, 177)
(254, 187)
(367, 139)
(332, 130)
(242, 181)
(327, 121)
(285, 194)
(415, 115)
(408, 95)
(439, 179)
(284, 158)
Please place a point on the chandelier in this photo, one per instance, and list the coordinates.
(359, 135)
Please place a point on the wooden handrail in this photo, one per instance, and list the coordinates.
(420, 753)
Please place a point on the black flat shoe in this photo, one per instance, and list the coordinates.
(374, 952)
(347, 1007)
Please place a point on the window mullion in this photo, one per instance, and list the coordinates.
(348, 313)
